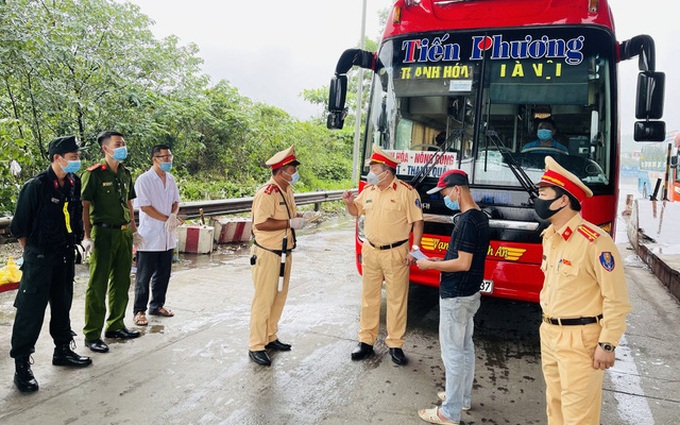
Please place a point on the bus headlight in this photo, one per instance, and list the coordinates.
(360, 228)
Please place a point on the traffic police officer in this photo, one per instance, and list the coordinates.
(275, 219)
(392, 208)
(584, 300)
(109, 222)
(48, 224)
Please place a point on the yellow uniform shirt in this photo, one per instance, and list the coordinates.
(269, 203)
(389, 213)
(584, 277)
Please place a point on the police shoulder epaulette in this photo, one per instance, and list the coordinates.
(408, 186)
(94, 167)
(589, 233)
(271, 188)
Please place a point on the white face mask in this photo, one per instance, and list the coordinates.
(373, 178)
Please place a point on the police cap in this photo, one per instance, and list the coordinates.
(558, 176)
(281, 158)
(62, 145)
(381, 157)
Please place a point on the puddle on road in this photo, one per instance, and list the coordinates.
(223, 254)
(156, 329)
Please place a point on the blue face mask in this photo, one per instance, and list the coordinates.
(544, 134)
(72, 167)
(119, 154)
(166, 166)
(452, 205)
(294, 178)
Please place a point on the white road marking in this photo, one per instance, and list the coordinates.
(632, 406)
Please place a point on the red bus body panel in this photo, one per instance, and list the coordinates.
(432, 15)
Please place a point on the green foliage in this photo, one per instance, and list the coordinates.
(11, 150)
(84, 66)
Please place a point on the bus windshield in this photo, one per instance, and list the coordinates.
(483, 97)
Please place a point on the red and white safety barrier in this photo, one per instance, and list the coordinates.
(195, 239)
(228, 230)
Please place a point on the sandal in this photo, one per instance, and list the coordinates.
(140, 319)
(442, 397)
(432, 416)
(162, 312)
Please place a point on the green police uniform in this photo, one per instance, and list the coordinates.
(108, 194)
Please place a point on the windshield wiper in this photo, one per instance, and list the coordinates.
(518, 172)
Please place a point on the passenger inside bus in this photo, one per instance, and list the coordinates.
(546, 142)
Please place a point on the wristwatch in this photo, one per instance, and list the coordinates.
(607, 347)
(414, 247)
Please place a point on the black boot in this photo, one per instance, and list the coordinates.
(64, 356)
(23, 377)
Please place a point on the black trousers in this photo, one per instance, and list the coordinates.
(46, 278)
(154, 266)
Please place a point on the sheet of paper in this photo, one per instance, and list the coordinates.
(419, 255)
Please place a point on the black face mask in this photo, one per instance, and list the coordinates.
(542, 207)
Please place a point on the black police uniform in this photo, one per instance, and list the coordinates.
(50, 218)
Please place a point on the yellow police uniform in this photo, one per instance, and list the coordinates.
(270, 202)
(389, 217)
(584, 280)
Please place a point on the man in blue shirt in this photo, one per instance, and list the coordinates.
(462, 274)
(546, 133)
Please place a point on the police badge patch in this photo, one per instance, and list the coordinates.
(607, 261)
(418, 203)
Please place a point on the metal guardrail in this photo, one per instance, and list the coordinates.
(230, 206)
(240, 205)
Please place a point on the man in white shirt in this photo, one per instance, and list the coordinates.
(158, 203)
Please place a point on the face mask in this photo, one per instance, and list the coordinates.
(166, 166)
(373, 178)
(452, 205)
(542, 207)
(294, 178)
(72, 167)
(119, 154)
(544, 134)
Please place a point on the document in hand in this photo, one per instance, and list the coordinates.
(418, 254)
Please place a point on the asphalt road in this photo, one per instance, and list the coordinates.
(194, 369)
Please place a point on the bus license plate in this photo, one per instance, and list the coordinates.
(486, 287)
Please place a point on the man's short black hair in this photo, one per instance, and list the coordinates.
(547, 123)
(106, 135)
(158, 148)
(573, 202)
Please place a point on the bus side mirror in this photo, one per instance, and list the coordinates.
(336, 102)
(650, 93)
(649, 106)
(649, 131)
(674, 161)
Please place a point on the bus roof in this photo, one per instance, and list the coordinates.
(442, 15)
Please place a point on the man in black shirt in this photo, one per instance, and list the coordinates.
(462, 274)
(48, 224)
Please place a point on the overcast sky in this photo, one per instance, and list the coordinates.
(272, 50)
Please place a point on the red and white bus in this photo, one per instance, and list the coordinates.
(463, 84)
